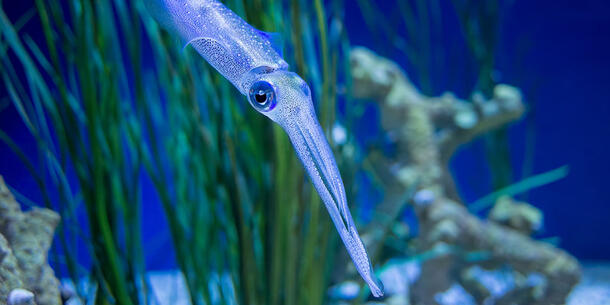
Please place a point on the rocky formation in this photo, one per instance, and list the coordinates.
(426, 131)
(20, 297)
(25, 239)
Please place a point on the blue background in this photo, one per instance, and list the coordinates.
(564, 72)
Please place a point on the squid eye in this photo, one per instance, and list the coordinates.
(262, 96)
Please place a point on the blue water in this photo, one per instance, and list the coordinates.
(557, 51)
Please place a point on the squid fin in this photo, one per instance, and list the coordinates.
(276, 40)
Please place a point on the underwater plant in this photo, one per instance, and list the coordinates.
(107, 118)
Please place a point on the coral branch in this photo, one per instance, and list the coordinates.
(426, 132)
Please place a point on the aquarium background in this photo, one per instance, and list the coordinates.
(556, 52)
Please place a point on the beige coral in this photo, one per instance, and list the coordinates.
(427, 131)
(25, 239)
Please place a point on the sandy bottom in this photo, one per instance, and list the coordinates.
(594, 289)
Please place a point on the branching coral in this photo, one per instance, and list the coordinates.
(426, 132)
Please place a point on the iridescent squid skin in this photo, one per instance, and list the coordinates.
(247, 58)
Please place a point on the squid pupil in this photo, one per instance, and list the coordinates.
(260, 97)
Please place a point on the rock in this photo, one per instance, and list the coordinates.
(398, 299)
(339, 134)
(10, 275)
(347, 290)
(398, 274)
(25, 241)
(10, 211)
(20, 297)
(455, 295)
(67, 293)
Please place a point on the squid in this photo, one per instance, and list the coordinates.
(252, 62)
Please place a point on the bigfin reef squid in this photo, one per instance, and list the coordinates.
(250, 60)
